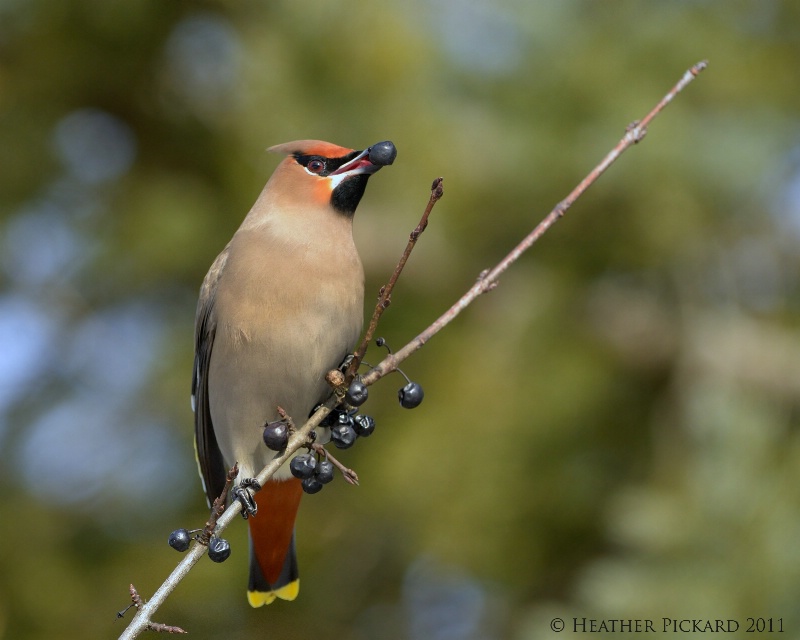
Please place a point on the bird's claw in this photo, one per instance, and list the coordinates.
(346, 363)
(244, 493)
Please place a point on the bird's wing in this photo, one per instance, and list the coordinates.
(209, 458)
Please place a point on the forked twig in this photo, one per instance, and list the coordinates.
(349, 475)
(385, 293)
(218, 507)
(158, 627)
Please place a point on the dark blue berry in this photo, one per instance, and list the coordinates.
(276, 436)
(302, 466)
(219, 549)
(382, 153)
(324, 471)
(343, 435)
(364, 425)
(411, 395)
(357, 393)
(345, 418)
(311, 485)
(179, 540)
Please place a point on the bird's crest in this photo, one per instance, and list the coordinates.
(311, 148)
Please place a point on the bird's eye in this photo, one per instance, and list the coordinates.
(316, 166)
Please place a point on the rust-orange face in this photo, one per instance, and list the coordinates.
(333, 175)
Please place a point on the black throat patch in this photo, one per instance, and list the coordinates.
(347, 195)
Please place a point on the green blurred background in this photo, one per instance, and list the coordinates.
(614, 432)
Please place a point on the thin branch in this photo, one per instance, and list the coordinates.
(158, 627)
(218, 507)
(487, 280)
(164, 628)
(385, 294)
(349, 475)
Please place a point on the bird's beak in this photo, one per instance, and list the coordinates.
(369, 160)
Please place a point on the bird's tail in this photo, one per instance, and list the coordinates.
(273, 561)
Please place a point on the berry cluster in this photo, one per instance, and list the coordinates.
(347, 425)
(313, 473)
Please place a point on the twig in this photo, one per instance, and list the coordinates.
(218, 507)
(158, 627)
(487, 280)
(385, 293)
(349, 475)
(164, 628)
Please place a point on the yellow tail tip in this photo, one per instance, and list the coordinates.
(286, 592)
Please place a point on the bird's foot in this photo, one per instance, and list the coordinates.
(244, 493)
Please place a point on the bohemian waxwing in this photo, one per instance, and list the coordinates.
(280, 307)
